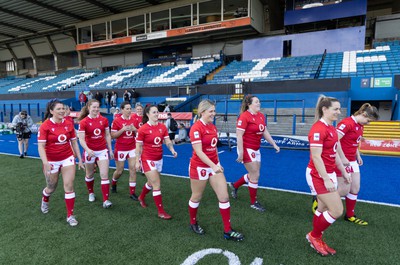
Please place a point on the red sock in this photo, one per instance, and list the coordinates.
(253, 191)
(158, 200)
(114, 182)
(321, 223)
(89, 184)
(146, 189)
(243, 180)
(351, 200)
(45, 196)
(105, 189)
(132, 188)
(193, 206)
(70, 202)
(316, 215)
(225, 210)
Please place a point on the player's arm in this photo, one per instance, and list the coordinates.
(339, 150)
(82, 142)
(170, 147)
(268, 137)
(77, 152)
(239, 142)
(108, 140)
(43, 157)
(197, 147)
(316, 152)
(138, 153)
(340, 166)
(359, 159)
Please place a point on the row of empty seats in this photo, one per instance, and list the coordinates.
(381, 61)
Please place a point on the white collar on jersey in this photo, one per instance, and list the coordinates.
(122, 117)
(53, 121)
(324, 122)
(354, 119)
(252, 113)
(98, 115)
(152, 124)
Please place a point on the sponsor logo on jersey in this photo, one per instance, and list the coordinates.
(214, 142)
(196, 134)
(239, 122)
(62, 138)
(261, 127)
(157, 140)
(316, 137)
(97, 132)
(342, 126)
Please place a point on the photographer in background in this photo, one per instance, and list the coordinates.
(22, 124)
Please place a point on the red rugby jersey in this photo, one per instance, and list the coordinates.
(57, 137)
(253, 126)
(95, 132)
(152, 137)
(206, 134)
(352, 133)
(324, 135)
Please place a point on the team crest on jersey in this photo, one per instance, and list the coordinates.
(330, 134)
(316, 137)
(356, 128)
(66, 128)
(196, 134)
(151, 131)
(52, 129)
(101, 122)
(160, 130)
(90, 123)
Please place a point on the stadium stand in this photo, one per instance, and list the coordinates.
(383, 60)
(269, 69)
(50, 83)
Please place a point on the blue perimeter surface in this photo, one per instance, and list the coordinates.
(380, 180)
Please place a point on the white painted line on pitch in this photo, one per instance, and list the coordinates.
(1, 140)
(168, 156)
(220, 152)
(12, 141)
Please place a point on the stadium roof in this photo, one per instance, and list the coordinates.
(29, 18)
(24, 19)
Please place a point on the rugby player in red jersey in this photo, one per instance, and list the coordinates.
(56, 143)
(250, 128)
(205, 166)
(95, 139)
(150, 138)
(350, 131)
(124, 129)
(320, 173)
